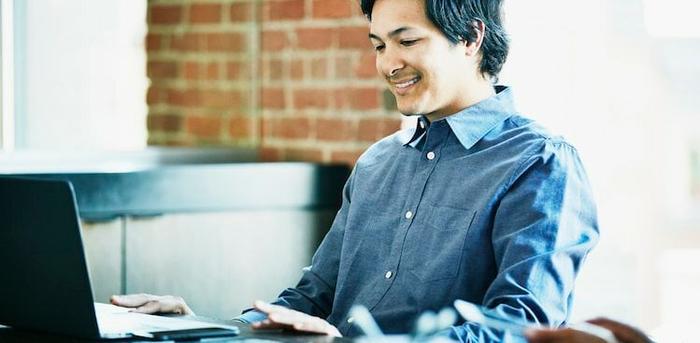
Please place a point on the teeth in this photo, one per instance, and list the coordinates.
(407, 83)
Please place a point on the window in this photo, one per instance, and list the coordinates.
(74, 75)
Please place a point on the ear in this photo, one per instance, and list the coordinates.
(473, 47)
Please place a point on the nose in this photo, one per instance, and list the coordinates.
(390, 62)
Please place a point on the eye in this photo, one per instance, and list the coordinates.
(409, 42)
(379, 48)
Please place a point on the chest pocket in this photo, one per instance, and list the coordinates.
(439, 242)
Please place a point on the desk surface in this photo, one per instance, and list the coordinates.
(10, 335)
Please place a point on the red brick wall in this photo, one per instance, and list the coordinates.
(293, 78)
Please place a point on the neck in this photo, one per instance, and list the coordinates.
(479, 90)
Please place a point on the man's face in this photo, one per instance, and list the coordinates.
(426, 73)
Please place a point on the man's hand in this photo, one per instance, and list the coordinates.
(149, 304)
(566, 335)
(280, 317)
(623, 333)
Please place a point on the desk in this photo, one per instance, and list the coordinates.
(8, 335)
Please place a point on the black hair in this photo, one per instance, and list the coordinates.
(457, 18)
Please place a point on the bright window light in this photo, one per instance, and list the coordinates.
(672, 18)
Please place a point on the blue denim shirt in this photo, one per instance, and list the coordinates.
(483, 205)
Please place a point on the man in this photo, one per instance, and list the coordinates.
(475, 203)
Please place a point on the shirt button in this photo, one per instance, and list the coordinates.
(408, 215)
(431, 155)
(350, 320)
(388, 275)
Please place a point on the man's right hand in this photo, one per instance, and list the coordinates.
(151, 304)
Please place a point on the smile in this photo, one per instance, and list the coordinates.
(403, 87)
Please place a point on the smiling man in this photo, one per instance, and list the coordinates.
(476, 202)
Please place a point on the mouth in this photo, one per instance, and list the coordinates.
(404, 87)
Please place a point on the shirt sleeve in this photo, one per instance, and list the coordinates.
(315, 291)
(543, 229)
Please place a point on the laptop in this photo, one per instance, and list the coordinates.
(44, 280)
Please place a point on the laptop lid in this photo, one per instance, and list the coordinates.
(45, 284)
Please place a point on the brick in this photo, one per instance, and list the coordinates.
(272, 98)
(215, 98)
(153, 95)
(153, 42)
(319, 68)
(364, 98)
(187, 98)
(297, 128)
(296, 69)
(240, 127)
(283, 9)
(191, 70)
(236, 70)
(366, 67)
(187, 42)
(273, 69)
(161, 69)
(241, 12)
(205, 13)
(165, 14)
(335, 129)
(340, 99)
(332, 8)
(288, 128)
(348, 157)
(373, 129)
(315, 38)
(169, 140)
(164, 122)
(343, 67)
(274, 40)
(391, 125)
(267, 128)
(212, 72)
(202, 126)
(228, 42)
(354, 37)
(310, 98)
(308, 155)
(270, 154)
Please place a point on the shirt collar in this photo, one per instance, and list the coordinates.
(472, 123)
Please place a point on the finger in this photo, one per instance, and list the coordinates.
(313, 326)
(131, 300)
(566, 335)
(268, 308)
(543, 336)
(148, 308)
(286, 318)
(173, 304)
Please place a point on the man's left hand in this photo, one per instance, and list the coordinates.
(280, 317)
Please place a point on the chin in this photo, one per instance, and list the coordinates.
(408, 109)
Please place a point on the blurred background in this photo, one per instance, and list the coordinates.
(294, 80)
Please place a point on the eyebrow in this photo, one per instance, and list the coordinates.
(392, 33)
